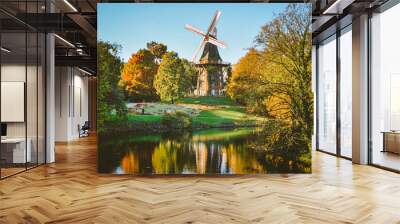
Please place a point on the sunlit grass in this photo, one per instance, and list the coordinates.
(220, 134)
(209, 100)
(144, 118)
(218, 112)
(222, 117)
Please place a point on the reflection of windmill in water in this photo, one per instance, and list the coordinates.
(210, 81)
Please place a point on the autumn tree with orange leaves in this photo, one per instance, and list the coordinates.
(275, 78)
(137, 76)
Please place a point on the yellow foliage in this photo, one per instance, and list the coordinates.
(138, 73)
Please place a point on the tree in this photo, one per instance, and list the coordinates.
(274, 79)
(172, 81)
(110, 101)
(243, 85)
(190, 75)
(157, 49)
(287, 44)
(138, 74)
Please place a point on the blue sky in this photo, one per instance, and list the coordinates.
(133, 25)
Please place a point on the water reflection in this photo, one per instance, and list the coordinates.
(213, 151)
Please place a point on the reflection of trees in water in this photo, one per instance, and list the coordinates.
(273, 151)
(130, 163)
(288, 149)
(243, 160)
(201, 151)
(184, 155)
(164, 157)
(119, 151)
(202, 158)
(171, 156)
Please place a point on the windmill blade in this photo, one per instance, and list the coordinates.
(216, 42)
(195, 30)
(214, 21)
(202, 43)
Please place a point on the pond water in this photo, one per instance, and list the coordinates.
(211, 151)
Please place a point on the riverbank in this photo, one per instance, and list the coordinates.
(200, 113)
(116, 127)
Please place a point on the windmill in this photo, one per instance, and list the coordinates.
(210, 80)
(209, 37)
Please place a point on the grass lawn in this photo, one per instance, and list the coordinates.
(210, 115)
(222, 117)
(144, 118)
(208, 100)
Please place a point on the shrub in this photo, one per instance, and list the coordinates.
(177, 120)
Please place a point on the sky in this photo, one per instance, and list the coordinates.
(133, 25)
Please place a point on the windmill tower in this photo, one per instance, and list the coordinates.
(210, 80)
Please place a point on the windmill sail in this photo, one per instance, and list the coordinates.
(214, 21)
(202, 43)
(209, 37)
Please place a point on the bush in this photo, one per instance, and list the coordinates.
(177, 120)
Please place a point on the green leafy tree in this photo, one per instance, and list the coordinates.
(274, 79)
(157, 49)
(190, 75)
(172, 81)
(110, 103)
(137, 76)
(287, 43)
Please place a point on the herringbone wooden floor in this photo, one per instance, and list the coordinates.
(70, 191)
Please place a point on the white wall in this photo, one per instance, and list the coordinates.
(62, 82)
(13, 100)
(71, 102)
(16, 73)
(33, 127)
